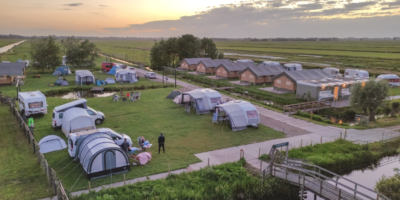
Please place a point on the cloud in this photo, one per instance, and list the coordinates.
(65, 9)
(103, 5)
(74, 4)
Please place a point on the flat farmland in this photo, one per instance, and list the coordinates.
(5, 42)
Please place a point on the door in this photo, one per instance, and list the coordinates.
(335, 93)
(200, 105)
(109, 160)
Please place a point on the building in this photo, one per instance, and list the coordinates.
(9, 71)
(208, 66)
(260, 74)
(287, 80)
(329, 89)
(191, 63)
(231, 70)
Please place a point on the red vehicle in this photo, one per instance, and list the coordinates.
(106, 66)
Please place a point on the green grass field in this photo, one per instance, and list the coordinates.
(5, 42)
(185, 135)
(21, 176)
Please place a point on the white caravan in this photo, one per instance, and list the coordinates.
(73, 138)
(356, 73)
(98, 117)
(32, 103)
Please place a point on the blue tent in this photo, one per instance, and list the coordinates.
(64, 70)
(100, 82)
(114, 70)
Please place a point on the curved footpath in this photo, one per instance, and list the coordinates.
(10, 46)
(298, 132)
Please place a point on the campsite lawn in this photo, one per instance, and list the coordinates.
(185, 135)
(20, 175)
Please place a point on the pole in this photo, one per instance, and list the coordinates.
(175, 78)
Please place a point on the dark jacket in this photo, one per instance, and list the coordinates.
(125, 146)
(161, 139)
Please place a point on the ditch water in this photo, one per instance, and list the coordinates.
(370, 175)
(83, 94)
(8, 47)
(254, 56)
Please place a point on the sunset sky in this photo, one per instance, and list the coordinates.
(210, 18)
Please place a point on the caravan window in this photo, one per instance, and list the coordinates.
(60, 116)
(35, 105)
(252, 114)
(216, 100)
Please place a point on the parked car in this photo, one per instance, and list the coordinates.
(98, 117)
(74, 137)
(32, 103)
(150, 75)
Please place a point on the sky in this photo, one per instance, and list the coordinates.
(202, 18)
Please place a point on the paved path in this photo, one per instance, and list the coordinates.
(310, 134)
(8, 47)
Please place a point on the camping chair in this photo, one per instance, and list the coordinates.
(187, 108)
(215, 118)
(138, 97)
(115, 97)
(133, 98)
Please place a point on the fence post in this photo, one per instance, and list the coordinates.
(33, 146)
(124, 179)
(89, 183)
(321, 140)
(301, 144)
(259, 151)
(208, 164)
(340, 194)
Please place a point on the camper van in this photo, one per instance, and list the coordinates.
(73, 138)
(292, 67)
(98, 117)
(32, 103)
(354, 73)
(332, 72)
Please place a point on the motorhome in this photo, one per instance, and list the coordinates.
(97, 116)
(353, 73)
(74, 138)
(32, 103)
(292, 67)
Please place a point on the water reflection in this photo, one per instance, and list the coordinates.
(83, 94)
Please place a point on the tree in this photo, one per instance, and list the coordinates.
(208, 48)
(368, 96)
(157, 55)
(80, 54)
(188, 46)
(171, 46)
(220, 55)
(45, 53)
(395, 109)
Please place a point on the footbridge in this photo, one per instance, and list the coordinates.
(318, 180)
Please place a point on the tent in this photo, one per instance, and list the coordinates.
(61, 71)
(84, 76)
(100, 82)
(126, 75)
(51, 143)
(241, 114)
(58, 81)
(64, 83)
(173, 94)
(110, 81)
(178, 99)
(114, 69)
(76, 119)
(100, 156)
(205, 99)
(393, 79)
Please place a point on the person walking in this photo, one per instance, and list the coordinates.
(161, 141)
(125, 146)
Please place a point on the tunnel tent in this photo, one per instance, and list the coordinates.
(61, 71)
(173, 94)
(241, 114)
(205, 99)
(84, 76)
(100, 156)
(100, 82)
(51, 143)
(114, 69)
(126, 75)
(75, 120)
(110, 81)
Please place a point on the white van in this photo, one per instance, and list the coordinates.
(74, 137)
(32, 103)
(98, 117)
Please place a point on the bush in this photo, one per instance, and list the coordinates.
(389, 186)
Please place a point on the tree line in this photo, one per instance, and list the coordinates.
(47, 53)
(169, 52)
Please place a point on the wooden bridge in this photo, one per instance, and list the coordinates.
(318, 180)
(307, 106)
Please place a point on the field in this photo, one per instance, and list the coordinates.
(5, 42)
(21, 176)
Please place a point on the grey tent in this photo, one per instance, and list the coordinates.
(84, 76)
(126, 75)
(173, 94)
(51, 143)
(110, 81)
(64, 83)
(75, 120)
(205, 99)
(100, 156)
(241, 114)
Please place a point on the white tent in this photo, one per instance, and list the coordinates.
(100, 156)
(241, 114)
(84, 76)
(51, 143)
(75, 120)
(126, 75)
(205, 99)
(109, 81)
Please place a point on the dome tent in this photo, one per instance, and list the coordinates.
(109, 81)
(114, 69)
(241, 114)
(205, 99)
(173, 94)
(51, 143)
(64, 70)
(100, 156)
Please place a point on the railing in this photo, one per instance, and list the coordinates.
(320, 178)
(54, 182)
(390, 135)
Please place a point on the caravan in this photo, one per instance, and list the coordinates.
(32, 103)
(354, 73)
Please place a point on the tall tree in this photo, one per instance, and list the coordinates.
(369, 96)
(208, 48)
(80, 54)
(188, 47)
(158, 55)
(171, 46)
(45, 53)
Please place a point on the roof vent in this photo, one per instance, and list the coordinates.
(323, 81)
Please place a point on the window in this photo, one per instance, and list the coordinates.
(288, 83)
(278, 81)
(90, 112)
(252, 114)
(35, 105)
(216, 100)
(60, 116)
(243, 75)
